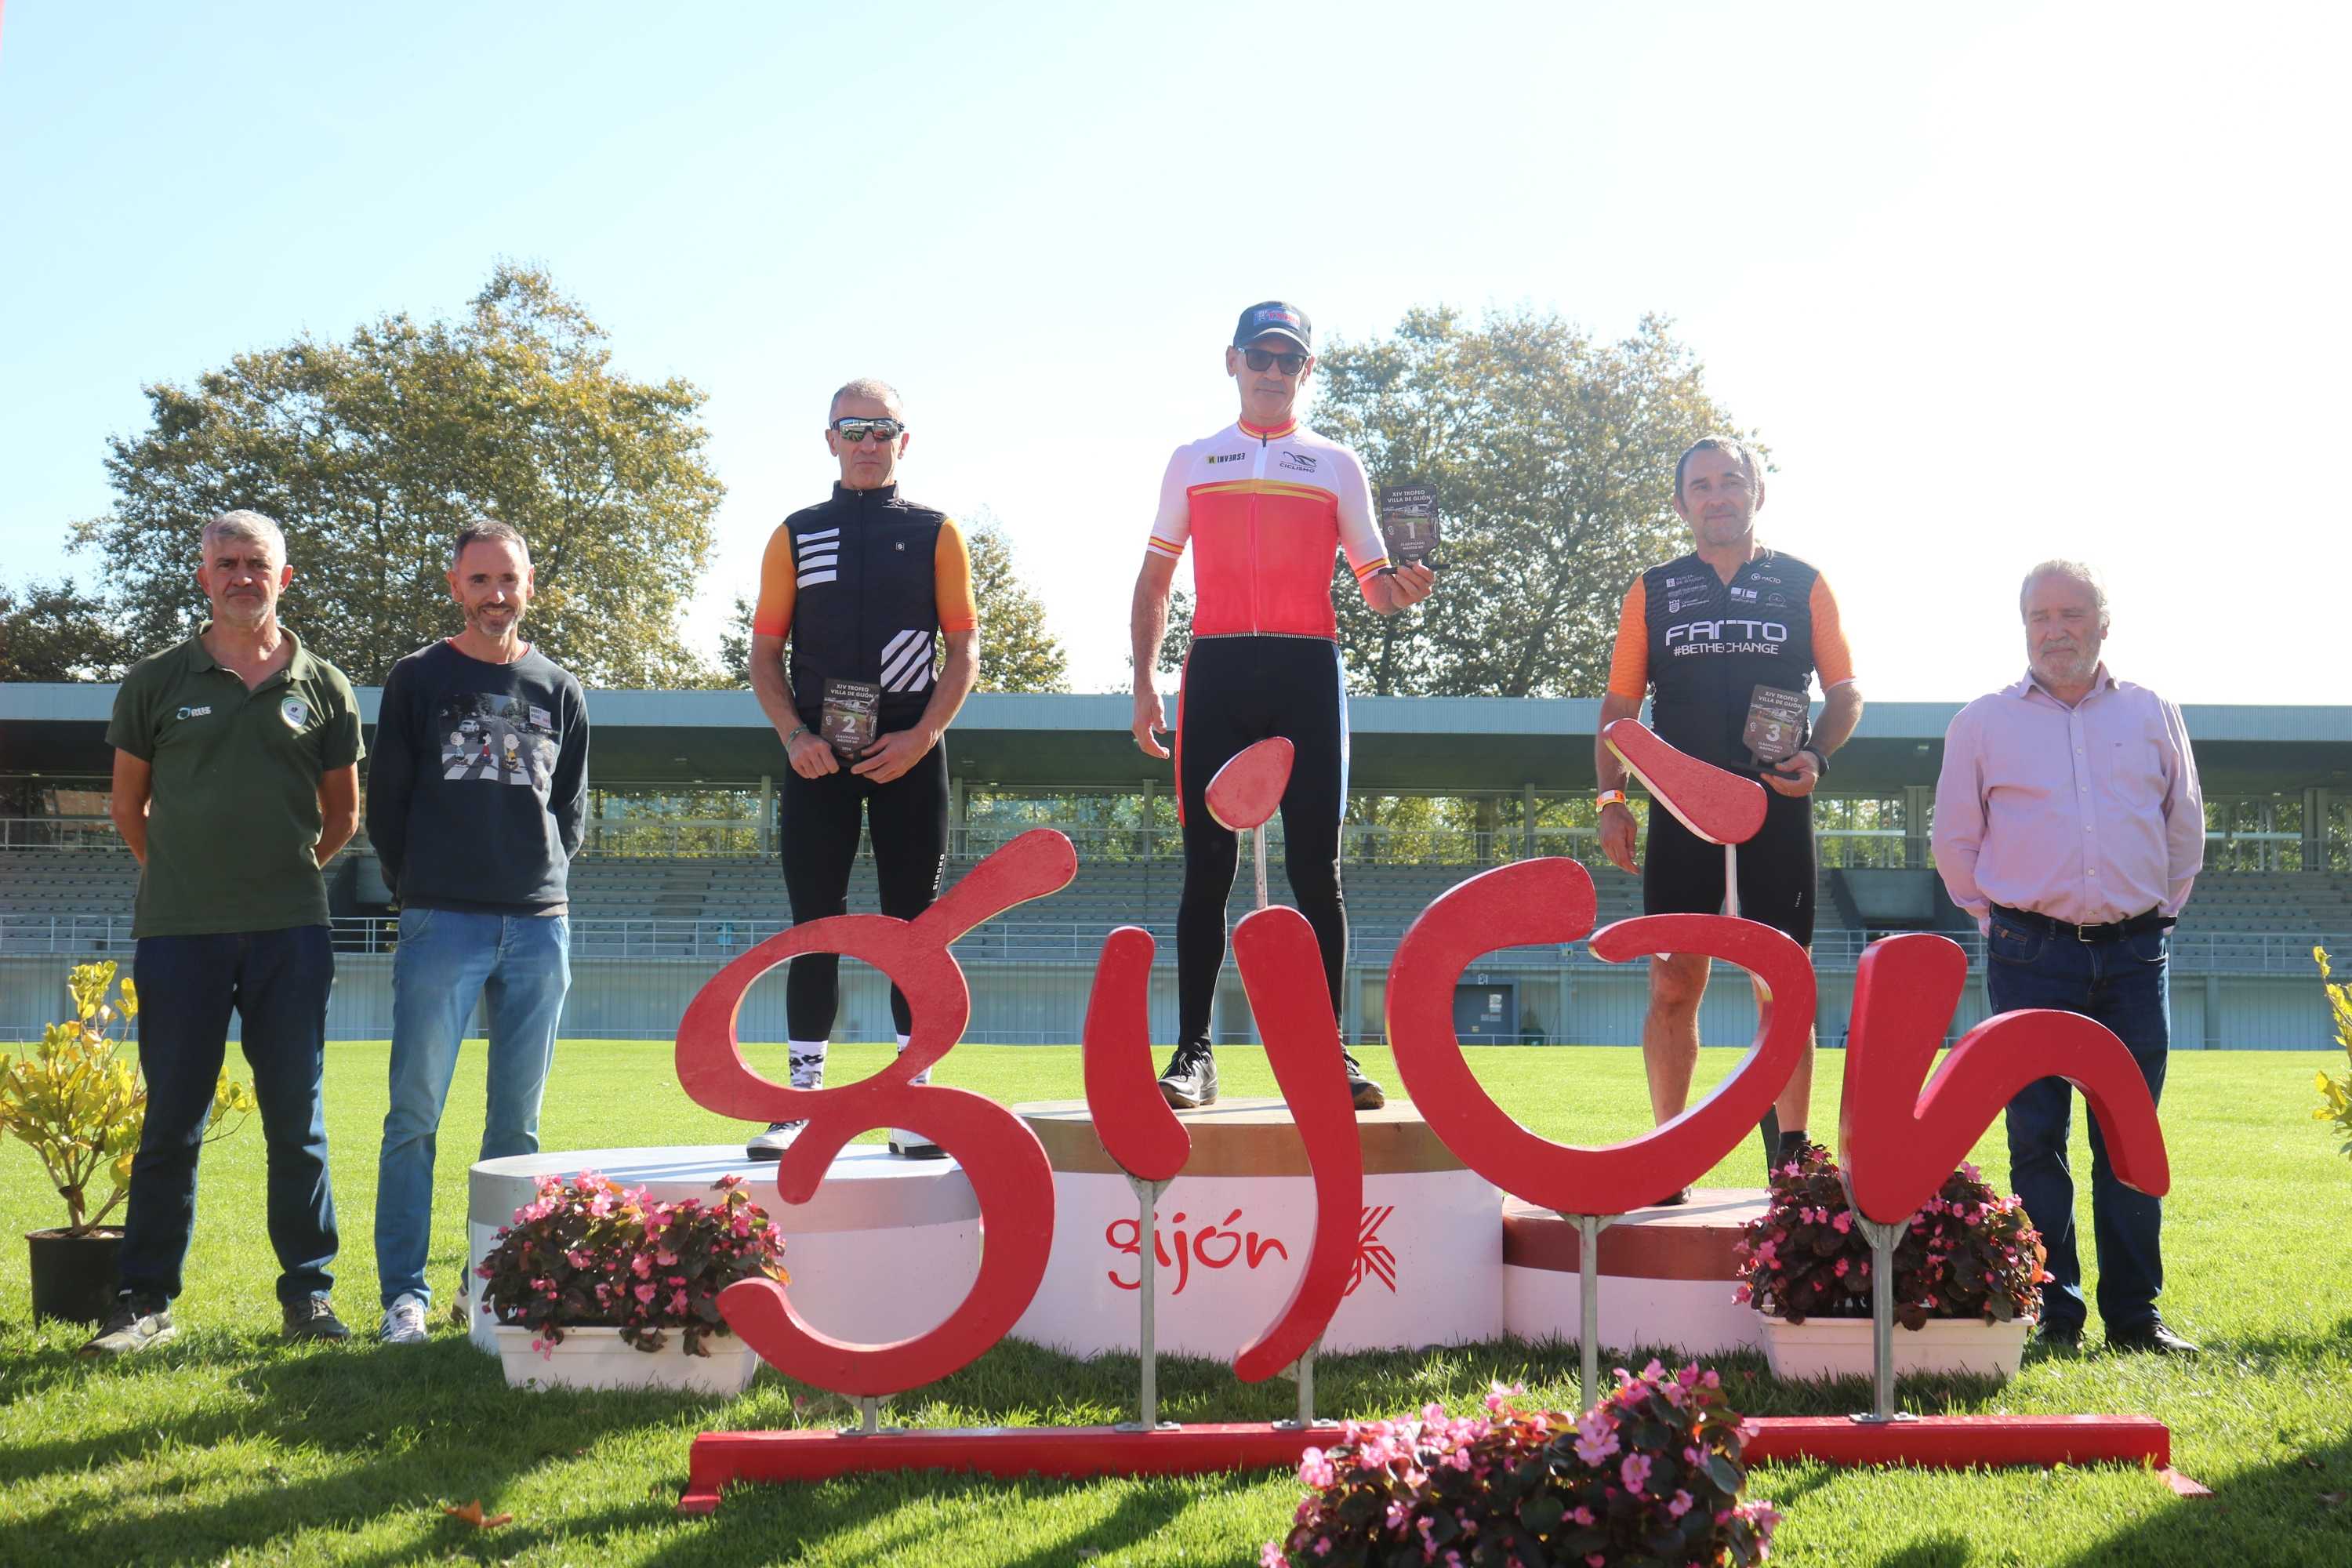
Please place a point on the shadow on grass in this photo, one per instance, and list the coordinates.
(2276, 1515)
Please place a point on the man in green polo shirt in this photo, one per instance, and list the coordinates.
(235, 778)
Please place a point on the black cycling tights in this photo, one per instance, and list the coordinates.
(1239, 690)
(817, 837)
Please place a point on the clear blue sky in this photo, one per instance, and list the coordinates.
(1997, 282)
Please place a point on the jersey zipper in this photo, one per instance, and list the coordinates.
(1257, 567)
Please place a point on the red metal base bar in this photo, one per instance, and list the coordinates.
(721, 1458)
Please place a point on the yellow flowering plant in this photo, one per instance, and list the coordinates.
(2336, 1094)
(81, 1106)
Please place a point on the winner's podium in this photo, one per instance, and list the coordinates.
(1234, 1226)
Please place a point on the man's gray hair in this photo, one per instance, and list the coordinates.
(488, 528)
(1732, 446)
(244, 524)
(875, 387)
(2073, 571)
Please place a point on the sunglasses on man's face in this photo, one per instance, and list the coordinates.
(859, 429)
(1259, 359)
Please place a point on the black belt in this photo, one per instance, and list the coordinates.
(2114, 931)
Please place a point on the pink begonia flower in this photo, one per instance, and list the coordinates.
(677, 1302)
(1594, 1559)
(1399, 1511)
(644, 1293)
(1743, 1295)
(1843, 1223)
(1582, 1515)
(1842, 1269)
(1272, 1557)
(641, 1266)
(666, 1258)
(1315, 1468)
(1322, 1546)
(1681, 1505)
(1635, 1471)
(1596, 1437)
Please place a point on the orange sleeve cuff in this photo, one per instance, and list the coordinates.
(779, 584)
(1832, 660)
(951, 580)
(1629, 662)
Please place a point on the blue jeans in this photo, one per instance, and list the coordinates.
(2124, 984)
(519, 966)
(276, 982)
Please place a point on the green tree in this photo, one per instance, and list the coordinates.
(1553, 455)
(735, 646)
(373, 451)
(1017, 653)
(54, 631)
(1176, 645)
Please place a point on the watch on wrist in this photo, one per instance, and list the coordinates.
(794, 736)
(1610, 797)
(1820, 761)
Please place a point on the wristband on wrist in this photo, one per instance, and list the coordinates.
(1820, 762)
(794, 736)
(1610, 797)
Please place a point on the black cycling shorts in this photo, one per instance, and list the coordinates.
(1682, 874)
(1239, 690)
(816, 837)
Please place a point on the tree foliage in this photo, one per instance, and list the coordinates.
(1553, 455)
(1017, 653)
(373, 452)
(54, 631)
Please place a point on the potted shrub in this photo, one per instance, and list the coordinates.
(1967, 1276)
(1650, 1475)
(597, 1287)
(81, 1106)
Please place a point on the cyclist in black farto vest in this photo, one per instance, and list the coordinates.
(868, 585)
(1727, 641)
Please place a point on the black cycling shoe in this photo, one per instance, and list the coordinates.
(1368, 1095)
(1191, 1080)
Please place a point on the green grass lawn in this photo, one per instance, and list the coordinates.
(227, 1447)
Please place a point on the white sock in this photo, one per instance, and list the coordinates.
(808, 1063)
(922, 1076)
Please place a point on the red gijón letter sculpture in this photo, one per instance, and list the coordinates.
(1898, 1142)
(1551, 901)
(1004, 1159)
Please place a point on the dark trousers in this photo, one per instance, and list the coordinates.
(2122, 983)
(816, 835)
(276, 982)
(1239, 690)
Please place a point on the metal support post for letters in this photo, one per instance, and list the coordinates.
(1589, 1227)
(1303, 1369)
(1257, 861)
(1147, 1398)
(1881, 1239)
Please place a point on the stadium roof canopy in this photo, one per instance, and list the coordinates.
(1437, 744)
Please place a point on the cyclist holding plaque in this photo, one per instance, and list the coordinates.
(1270, 504)
(1725, 641)
(867, 585)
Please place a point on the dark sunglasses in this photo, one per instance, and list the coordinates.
(1291, 363)
(858, 429)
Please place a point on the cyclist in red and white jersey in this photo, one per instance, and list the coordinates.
(1269, 504)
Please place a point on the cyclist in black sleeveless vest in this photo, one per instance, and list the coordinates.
(1711, 637)
(868, 585)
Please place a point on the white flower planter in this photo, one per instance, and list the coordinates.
(1840, 1347)
(600, 1358)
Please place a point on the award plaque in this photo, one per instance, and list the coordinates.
(1776, 725)
(853, 710)
(1409, 522)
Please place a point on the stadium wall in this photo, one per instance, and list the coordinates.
(1559, 1001)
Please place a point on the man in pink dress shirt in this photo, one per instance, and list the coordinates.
(2068, 822)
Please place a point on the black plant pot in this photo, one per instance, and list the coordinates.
(73, 1276)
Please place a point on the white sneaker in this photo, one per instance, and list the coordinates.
(914, 1146)
(772, 1144)
(403, 1322)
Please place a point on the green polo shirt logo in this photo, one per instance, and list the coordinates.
(294, 712)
